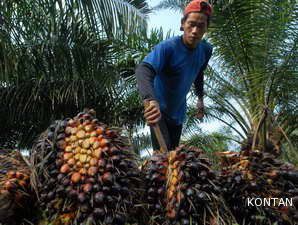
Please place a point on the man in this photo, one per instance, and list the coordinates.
(165, 76)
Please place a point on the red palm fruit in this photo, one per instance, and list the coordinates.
(105, 150)
(103, 142)
(83, 178)
(10, 185)
(92, 171)
(72, 123)
(93, 162)
(110, 133)
(101, 163)
(61, 144)
(11, 174)
(73, 194)
(22, 183)
(97, 153)
(89, 127)
(110, 167)
(93, 133)
(75, 177)
(107, 178)
(99, 197)
(161, 191)
(67, 156)
(99, 137)
(171, 214)
(71, 162)
(19, 175)
(26, 178)
(114, 151)
(91, 180)
(60, 177)
(68, 130)
(66, 182)
(99, 130)
(59, 162)
(65, 168)
(83, 171)
(87, 188)
(82, 197)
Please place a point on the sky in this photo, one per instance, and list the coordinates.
(167, 19)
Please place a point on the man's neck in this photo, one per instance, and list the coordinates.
(188, 46)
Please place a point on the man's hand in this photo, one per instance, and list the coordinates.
(200, 108)
(152, 112)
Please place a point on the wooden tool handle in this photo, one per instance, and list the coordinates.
(158, 134)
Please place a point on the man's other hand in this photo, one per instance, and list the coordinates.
(152, 112)
(200, 109)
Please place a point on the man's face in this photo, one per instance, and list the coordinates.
(194, 28)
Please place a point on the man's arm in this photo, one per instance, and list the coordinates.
(145, 80)
(145, 77)
(152, 65)
(199, 87)
(199, 91)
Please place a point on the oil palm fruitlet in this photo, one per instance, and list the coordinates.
(15, 191)
(253, 174)
(181, 187)
(85, 172)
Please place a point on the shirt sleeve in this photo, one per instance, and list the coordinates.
(145, 78)
(199, 82)
(153, 64)
(158, 57)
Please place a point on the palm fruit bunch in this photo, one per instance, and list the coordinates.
(181, 187)
(15, 191)
(86, 173)
(258, 174)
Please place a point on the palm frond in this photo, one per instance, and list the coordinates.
(57, 57)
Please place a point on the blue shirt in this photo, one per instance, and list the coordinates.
(176, 68)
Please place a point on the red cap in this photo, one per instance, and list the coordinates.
(198, 6)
